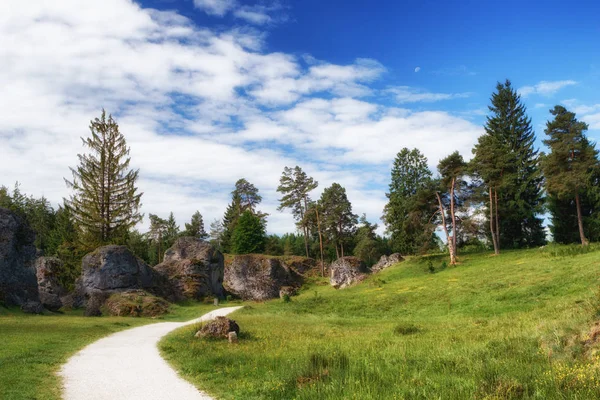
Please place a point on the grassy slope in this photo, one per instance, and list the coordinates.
(32, 347)
(493, 327)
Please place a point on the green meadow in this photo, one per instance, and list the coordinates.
(514, 326)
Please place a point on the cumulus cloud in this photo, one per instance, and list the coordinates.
(406, 94)
(545, 88)
(199, 109)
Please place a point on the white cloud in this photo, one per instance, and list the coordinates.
(215, 7)
(545, 88)
(199, 109)
(417, 69)
(406, 94)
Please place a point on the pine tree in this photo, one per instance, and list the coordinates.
(156, 234)
(295, 186)
(105, 203)
(249, 235)
(230, 219)
(571, 163)
(196, 227)
(406, 215)
(452, 169)
(513, 157)
(171, 231)
(337, 219)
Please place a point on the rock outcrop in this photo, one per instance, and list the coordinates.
(346, 271)
(219, 328)
(386, 262)
(112, 269)
(18, 283)
(136, 303)
(50, 289)
(194, 268)
(257, 277)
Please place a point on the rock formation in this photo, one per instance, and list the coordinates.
(257, 277)
(387, 261)
(346, 271)
(18, 283)
(50, 289)
(194, 268)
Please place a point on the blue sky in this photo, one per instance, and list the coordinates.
(209, 91)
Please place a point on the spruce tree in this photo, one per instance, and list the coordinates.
(337, 219)
(105, 203)
(249, 235)
(156, 234)
(196, 227)
(571, 163)
(295, 185)
(519, 196)
(171, 231)
(406, 215)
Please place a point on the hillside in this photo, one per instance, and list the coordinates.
(513, 326)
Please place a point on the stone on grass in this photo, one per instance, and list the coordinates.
(347, 271)
(218, 328)
(136, 303)
(32, 307)
(194, 268)
(233, 337)
(386, 262)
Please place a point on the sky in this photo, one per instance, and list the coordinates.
(210, 91)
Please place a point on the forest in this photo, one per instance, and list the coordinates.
(498, 200)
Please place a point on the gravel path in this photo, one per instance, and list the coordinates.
(127, 366)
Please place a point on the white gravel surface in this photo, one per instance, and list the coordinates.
(127, 366)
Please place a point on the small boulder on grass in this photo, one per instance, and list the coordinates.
(218, 328)
(136, 303)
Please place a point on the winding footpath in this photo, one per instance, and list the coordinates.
(127, 366)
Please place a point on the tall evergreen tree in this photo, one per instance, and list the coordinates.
(337, 219)
(196, 227)
(571, 163)
(156, 234)
(249, 234)
(105, 203)
(230, 219)
(367, 247)
(406, 215)
(171, 231)
(519, 196)
(295, 186)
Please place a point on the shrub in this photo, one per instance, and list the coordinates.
(136, 304)
(406, 329)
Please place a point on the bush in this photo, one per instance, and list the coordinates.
(406, 329)
(136, 304)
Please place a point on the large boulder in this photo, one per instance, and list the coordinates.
(111, 269)
(18, 283)
(50, 289)
(257, 277)
(219, 327)
(194, 268)
(346, 271)
(386, 262)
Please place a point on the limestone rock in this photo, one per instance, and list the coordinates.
(50, 289)
(111, 269)
(346, 271)
(194, 268)
(219, 327)
(257, 277)
(18, 283)
(386, 262)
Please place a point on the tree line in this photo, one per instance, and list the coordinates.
(496, 200)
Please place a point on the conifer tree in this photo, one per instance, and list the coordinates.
(337, 219)
(249, 234)
(156, 234)
(519, 200)
(406, 214)
(171, 231)
(295, 185)
(196, 227)
(571, 163)
(216, 234)
(105, 203)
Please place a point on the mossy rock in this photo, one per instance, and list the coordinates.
(136, 303)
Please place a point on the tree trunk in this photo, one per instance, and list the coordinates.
(443, 214)
(584, 241)
(497, 218)
(494, 239)
(453, 219)
(320, 241)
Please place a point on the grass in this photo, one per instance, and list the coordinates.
(506, 327)
(33, 347)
